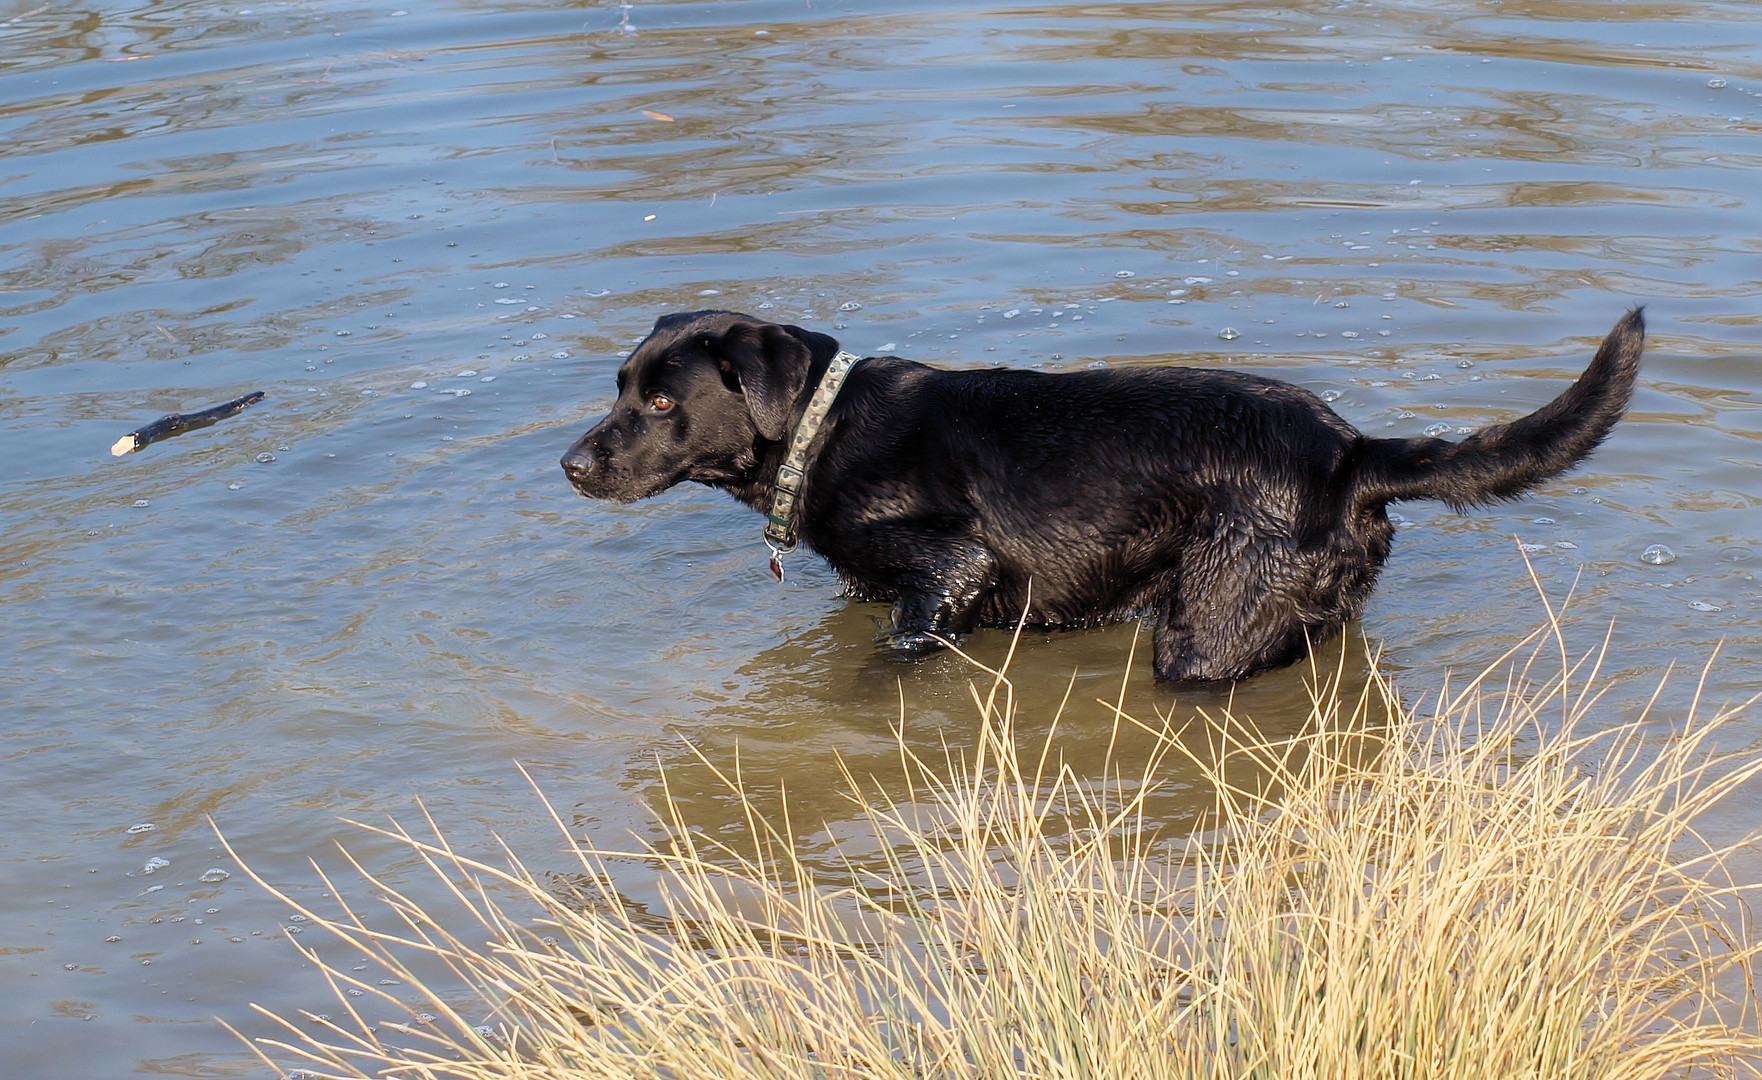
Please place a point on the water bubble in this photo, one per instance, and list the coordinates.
(1342, 303)
(1716, 84)
(114, 937)
(145, 826)
(766, 306)
(1348, 333)
(1544, 521)
(141, 502)
(1330, 395)
(1566, 545)
(1702, 605)
(1533, 548)
(1229, 333)
(889, 346)
(214, 874)
(539, 337)
(265, 458)
(418, 385)
(499, 285)
(1096, 365)
(487, 378)
(1196, 281)
(458, 393)
(467, 373)
(560, 354)
(1465, 364)
(155, 864)
(850, 305)
(1658, 555)
(709, 292)
(509, 300)
(342, 333)
(1125, 273)
(1435, 430)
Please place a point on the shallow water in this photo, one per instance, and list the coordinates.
(429, 233)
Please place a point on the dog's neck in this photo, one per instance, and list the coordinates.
(780, 519)
(758, 486)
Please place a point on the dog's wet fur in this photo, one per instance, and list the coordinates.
(1238, 513)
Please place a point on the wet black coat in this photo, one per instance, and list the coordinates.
(1239, 513)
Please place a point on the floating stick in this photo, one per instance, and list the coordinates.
(178, 423)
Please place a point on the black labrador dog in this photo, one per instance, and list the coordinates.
(1239, 513)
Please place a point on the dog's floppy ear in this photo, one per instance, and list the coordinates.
(769, 366)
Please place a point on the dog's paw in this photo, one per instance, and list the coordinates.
(912, 644)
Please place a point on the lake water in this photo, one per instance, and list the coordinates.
(428, 234)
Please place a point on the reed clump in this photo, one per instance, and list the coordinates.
(1491, 885)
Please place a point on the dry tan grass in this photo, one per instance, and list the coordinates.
(1494, 886)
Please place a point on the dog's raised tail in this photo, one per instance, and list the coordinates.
(1506, 460)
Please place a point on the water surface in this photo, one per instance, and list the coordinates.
(429, 233)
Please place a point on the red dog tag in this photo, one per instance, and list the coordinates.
(777, 569)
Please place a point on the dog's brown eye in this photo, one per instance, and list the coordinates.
(661, 403)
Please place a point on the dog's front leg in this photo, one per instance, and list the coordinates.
(939, 596)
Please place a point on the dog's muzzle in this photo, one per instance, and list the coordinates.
(584, 473)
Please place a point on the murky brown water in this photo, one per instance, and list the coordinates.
(428, 233)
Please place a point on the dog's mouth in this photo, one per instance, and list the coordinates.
(606, 485)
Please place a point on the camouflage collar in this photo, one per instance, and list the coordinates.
(780, 522)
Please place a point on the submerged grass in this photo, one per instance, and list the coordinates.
(1493, 886)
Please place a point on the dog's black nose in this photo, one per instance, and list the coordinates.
(577, 466)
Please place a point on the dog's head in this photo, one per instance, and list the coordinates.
(698, 400)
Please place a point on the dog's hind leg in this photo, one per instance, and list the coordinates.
(1250, 615)
(1223, 652)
